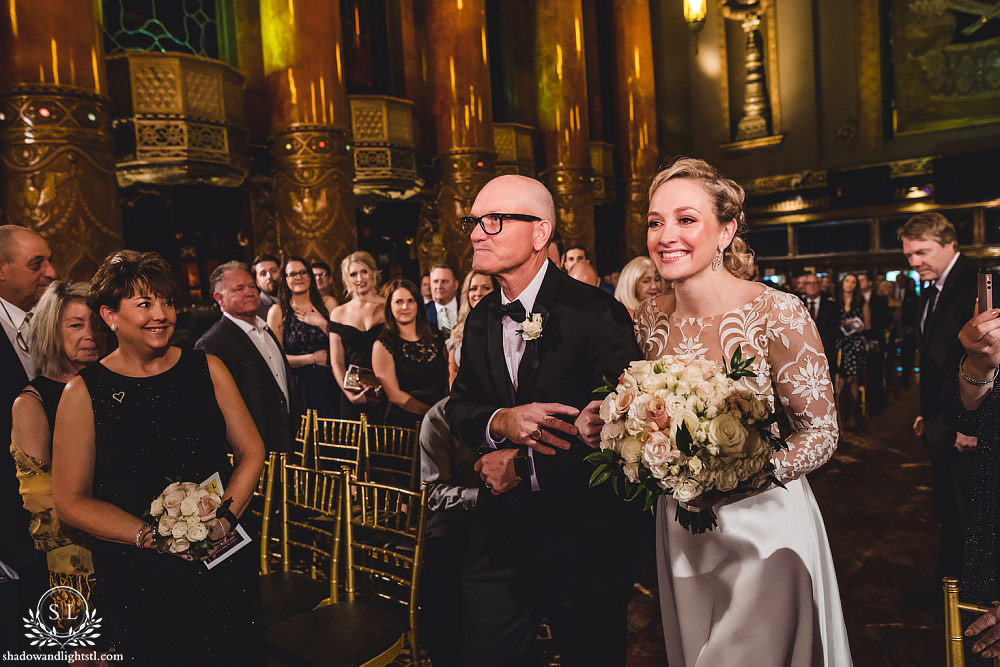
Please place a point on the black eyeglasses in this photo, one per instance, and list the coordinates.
(297, 274)
(492, 223)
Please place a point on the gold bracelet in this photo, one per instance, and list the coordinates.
(971, 380)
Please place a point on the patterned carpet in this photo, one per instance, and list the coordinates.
(875, 497)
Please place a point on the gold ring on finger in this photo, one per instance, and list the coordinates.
(536, 434)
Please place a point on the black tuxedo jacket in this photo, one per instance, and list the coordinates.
(432, 313)
(828, 324)
(940, 350)
(587, 336)
(16, 545)
(257, 385)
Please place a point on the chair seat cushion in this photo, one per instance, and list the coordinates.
(343, 634)
(283, 595)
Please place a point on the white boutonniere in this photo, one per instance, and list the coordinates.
(531, 327)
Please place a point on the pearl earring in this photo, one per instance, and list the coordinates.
(717, 261)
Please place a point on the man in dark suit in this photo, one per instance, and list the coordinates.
(544, 544)
(251, 353)
(442, 309)
(825, 314)
(25, 271)
(265, 272)
(948, 300)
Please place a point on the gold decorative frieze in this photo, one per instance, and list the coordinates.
(574, 198)
(785, 182)
(385, 147)
(602, 163)
(57, 172)
(178, 119)
(515, 147)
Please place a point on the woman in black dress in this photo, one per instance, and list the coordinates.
(149, 412)
(354, 327)
(855, 320)
(409, 358)
(300, 320)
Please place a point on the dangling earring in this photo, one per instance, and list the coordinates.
(717, 261)
(114, 327)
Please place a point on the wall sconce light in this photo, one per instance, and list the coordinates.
(694, 15)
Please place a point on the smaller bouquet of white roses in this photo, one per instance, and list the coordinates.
(682, 426)
(184, 518)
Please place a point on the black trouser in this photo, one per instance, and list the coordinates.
(950, 473)
(537, 557)
(441, 624)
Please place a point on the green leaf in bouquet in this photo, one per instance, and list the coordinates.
(618, 482)
(601, 475)
(738, 366)
(606, 388)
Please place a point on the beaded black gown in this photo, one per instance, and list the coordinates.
(421, 370)
(157, 608)
(357, 351)
(313, 386)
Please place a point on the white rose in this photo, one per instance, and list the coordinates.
(627, 381)
(633, 426)
(197, 532)
(692, 375)
(612, 430)
(174, 498)
(687, 490)
(179, 545)
(189, 506)
(632, 472)
(682, 388)
(189, 486)
(654, 382)
(694, 465)
(607, 411)
(623, 400)
(728, 433)
(173, 486)
(156, 507)
(180, 529)
(166, 525)
(174, 511)
(656, 452)
(631, 450)
(531, 327)
(726, 479)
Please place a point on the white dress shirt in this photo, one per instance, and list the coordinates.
(452, 313)
(513, 349)
(14, 319)
(261, 339)
(939, 283)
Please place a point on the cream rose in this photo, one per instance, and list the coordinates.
(631, 450)
(687, 490)
(656, 452)
(174, 511)
(180, 529)
(612, 430)
(166, 525)
(173, 486)
(726, 478)
(207, 506)
(174, 498)
(728, 433)
(694, 465)
(179, 545)
(631, 472)
(607, 409)
(156, 507)
(189, 507)
(189, 486)
(623, 400)
(197, 532)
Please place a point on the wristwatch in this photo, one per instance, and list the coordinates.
(523, 465)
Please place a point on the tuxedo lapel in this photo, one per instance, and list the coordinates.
(250, 351)
(534, 350)
(945, 296)
(495, 359)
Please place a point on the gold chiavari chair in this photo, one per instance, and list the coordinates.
(391, 455)
(303, 438)
(337, 443)
(954, 631)
(376, 622)
(308, 574)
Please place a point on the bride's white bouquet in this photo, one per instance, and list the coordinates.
(184, 517)
(682, 426)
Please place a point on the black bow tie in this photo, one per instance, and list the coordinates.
(514, 310)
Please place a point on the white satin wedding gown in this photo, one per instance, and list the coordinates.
(760, 589)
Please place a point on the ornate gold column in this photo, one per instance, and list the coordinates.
(463, 116)
(56, 156)
(561, 72)
(310, 127)
(636, 97)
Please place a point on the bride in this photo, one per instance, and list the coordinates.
(760, 589)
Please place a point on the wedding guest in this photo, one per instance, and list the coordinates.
(300, 319)
(453, 495)
(146, 413)
(585, 273)
(826, 285)
(442, 311)
(409, 358)
(25, 271)
(638, 282)
(425, 288)
(855, 320)
(324, 281)
(931, 248)
(354, 327)
(881, 316)
(474, 288)
(251, 352)
(824, 312)
(63, 340)
(266, 272)
(909, 322)
(573, 256)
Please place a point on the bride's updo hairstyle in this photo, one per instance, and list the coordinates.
(728, 197)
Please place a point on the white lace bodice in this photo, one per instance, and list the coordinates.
(791, 367)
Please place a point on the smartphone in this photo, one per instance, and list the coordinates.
(984, 283)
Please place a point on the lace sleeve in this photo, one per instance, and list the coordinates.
(801, 377)
(651, 329)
